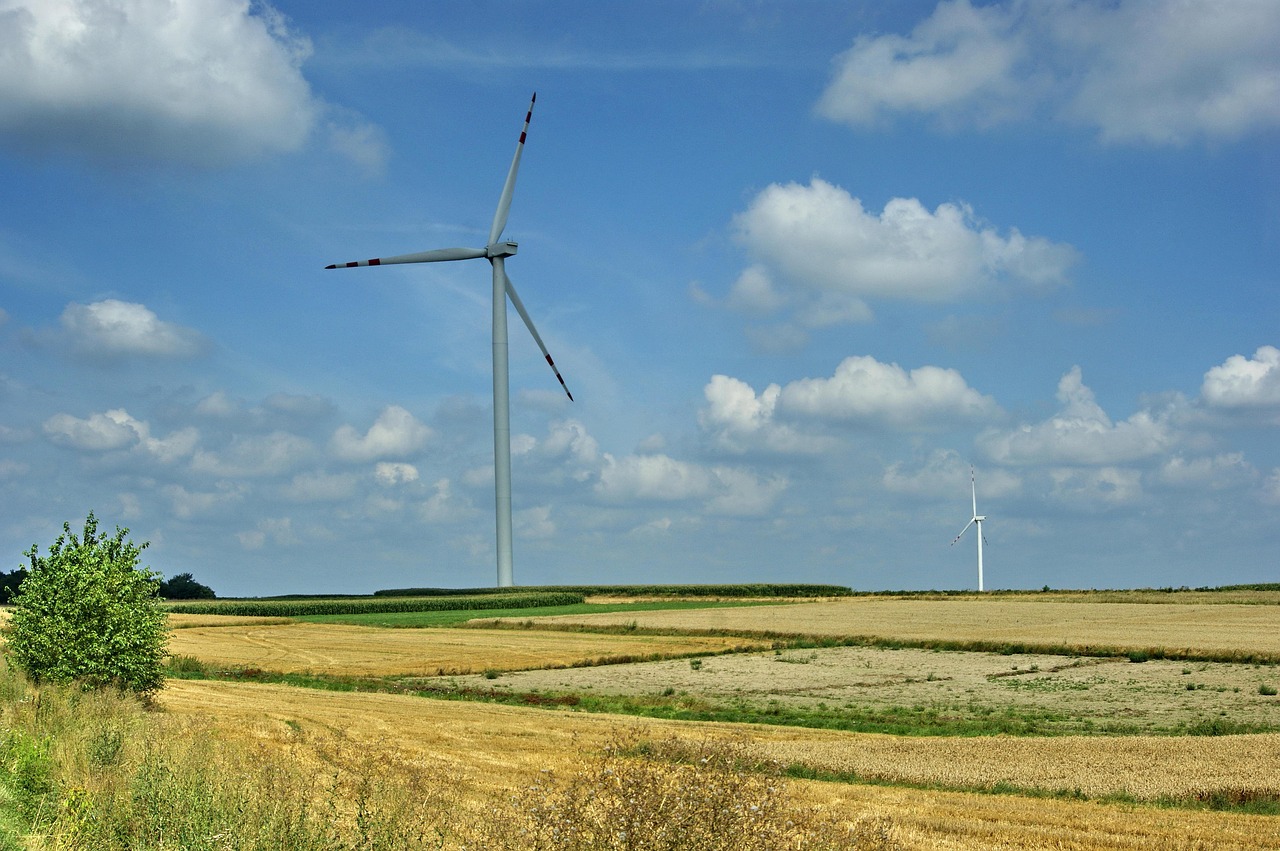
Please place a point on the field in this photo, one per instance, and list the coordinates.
(1227, 631)
(1167, 740)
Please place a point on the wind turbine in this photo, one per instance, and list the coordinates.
(976, 520)
(496, 252)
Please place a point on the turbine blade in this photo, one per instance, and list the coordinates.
(524, 314)
(962, 531)
(435, 256)
(973, 483)
(504, 202)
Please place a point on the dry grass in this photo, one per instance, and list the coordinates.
(487, 748)
(372, 651)
(1193, 627)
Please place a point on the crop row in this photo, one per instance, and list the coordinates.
(376, 605)
(744, 590)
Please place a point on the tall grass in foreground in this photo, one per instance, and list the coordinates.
(98, 771)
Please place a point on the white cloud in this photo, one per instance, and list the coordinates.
(188, 504)
(652, 477)
(1080, 433)
(254, 455)
(116, 429)
(661, 478)
(534, 523)
(819, 253)
(739, 420)
(278, 530)
(198, 81)
(1096, 490)
(958, 57)
(391, 473)
(1139, 71)
(444, 505)
(363, 143)
(945, 476)
(742, 494)
(112, 327)
(1271, 490)
(1216, 472)
(863, 389)
(396, 432)
(571, 449)
(1242, 382)
(1168, 73)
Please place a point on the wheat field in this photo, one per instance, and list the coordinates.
(1201, 628)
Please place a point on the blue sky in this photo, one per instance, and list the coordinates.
(801, 264)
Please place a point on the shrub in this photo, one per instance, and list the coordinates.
(1266, 690)
(672, 796)
(87, 613)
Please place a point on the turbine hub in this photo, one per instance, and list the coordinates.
(500, 249)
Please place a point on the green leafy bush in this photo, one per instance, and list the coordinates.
(87, 613)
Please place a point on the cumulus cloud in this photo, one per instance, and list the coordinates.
(1137, 71)
(739, 420)
(822, 256)
(661, 478)
(117, 430)
(444, 505)
(864, 389)
(1095, 489)
(200, 81)
(396, 432)
(254, 455)
(113, 328)
(187, 504)
(1217, 472)
(959, 56)
(278, 530)
(391, 473)
(1245, 383)
(1080, 433)
(945, 475)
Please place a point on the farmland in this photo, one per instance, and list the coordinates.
(1133, 720)
(1114, 705)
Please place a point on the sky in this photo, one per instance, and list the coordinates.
(803, 266)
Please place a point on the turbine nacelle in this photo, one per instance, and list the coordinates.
(500, 249)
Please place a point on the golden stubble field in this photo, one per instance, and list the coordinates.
(488, 747)
(372, 651)
(1199, 627)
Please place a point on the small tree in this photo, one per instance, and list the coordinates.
(87, 613)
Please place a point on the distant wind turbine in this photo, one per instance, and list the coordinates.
(496, 253)
(976, 520)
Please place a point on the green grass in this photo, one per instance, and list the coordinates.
(413, 620)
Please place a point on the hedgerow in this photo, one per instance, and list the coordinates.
(374, 605)
(768, 589)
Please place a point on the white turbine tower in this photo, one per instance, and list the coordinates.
(496, 253)
(976, 520)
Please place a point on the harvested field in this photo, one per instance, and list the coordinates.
(1222, 630)
(1061, 694)
(492, 746)
(369, 651)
